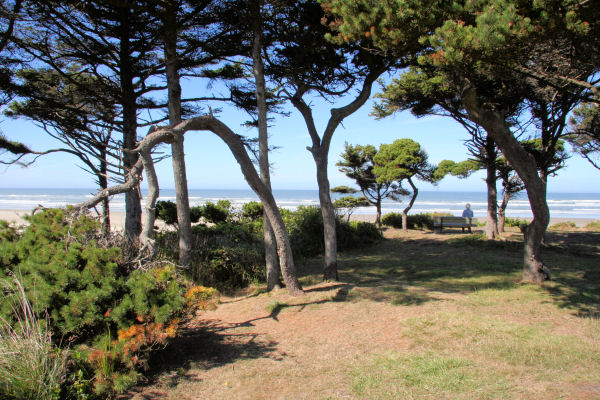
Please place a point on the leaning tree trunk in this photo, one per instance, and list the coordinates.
(534, 270)
(133, 207)
(271, 258)
(330, 271)
(284, 249)
(184, 222)
(235, 144)
(491, 226)
(147, 242)
(410, 204)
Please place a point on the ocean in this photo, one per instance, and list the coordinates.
(562, 205)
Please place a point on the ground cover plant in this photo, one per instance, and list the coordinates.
(418, 316)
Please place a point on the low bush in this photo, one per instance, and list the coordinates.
(414, 221)
(252, 210)
(166, 211)
(216, 213)
(227, 255)
(87, 289)
(305, 227)
(515, 222)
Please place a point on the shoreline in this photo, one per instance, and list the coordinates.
(117, 218)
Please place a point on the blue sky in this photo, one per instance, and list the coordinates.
(211, 166)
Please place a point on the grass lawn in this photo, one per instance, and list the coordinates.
(419, 316)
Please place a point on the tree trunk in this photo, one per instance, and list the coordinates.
(491, 226)
(410, 204)
(271, 260)
(103, 183)
(147, 242)
(502, 212)
(235, 144)
(184, 222)
(534, 270)
(133, 207)
(378, 214)
(330, 272)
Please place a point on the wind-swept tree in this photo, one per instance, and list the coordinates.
(82, 124)
(303, 64)
(357, 164)
(115, 42)
(403, 160)
(484, 48)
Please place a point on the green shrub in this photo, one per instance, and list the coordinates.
(305, 228)
(195, 213)
(414, 221)
(515, 222)
(252, 210)
(216, 213)
(166, 211)
(392, 219)
(88, 290)
(226, 255)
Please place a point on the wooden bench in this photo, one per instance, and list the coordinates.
(453, 222)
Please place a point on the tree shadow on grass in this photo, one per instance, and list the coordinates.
(468, 263)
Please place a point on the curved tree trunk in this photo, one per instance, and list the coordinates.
(271, 259)
(534, 270)
(235, 144)
(184, 222)
(328, 212)
(284, 249)
(147, 242)
(410, 204)
(491, 226)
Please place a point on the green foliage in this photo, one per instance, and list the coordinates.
(343, 190)
(515, 222)
(305, 228)
(226, 255)
(414, 221)
(252, 210)
(347, 204)
(401, 160)
(87, 290)
(216, 213)
(166, 211)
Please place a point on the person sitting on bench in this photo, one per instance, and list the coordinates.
(467, 213)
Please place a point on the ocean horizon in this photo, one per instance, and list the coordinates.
(562, 205)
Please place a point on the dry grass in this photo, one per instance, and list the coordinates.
(420, 316)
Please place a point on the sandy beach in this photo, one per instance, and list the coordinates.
(117, 218)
